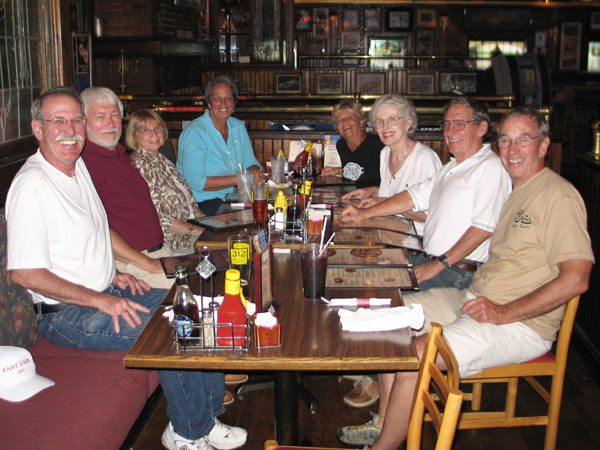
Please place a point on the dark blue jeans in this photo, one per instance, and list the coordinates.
(194, 398)
(447, 278)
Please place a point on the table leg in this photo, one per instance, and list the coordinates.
(286, 407)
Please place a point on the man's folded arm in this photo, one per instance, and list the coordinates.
(127, 254)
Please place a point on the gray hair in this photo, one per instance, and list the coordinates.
(221, 79)
(542, 124)
(405, 107)
(38, 103)
(100, 95)
(480, 113)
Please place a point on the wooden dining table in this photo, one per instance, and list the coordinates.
(311, 341)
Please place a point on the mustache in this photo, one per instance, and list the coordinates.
(110, 131)
(69, 137)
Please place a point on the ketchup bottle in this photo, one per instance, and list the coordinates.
(232, 312)
(302, 158)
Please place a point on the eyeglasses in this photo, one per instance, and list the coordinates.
(458, 124)
(522, 141)
(147, 131)
(58, 121)
(389, 122)
(341, 120)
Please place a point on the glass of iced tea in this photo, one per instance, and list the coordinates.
(260, 203)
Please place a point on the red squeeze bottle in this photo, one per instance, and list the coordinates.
(232, 312)
(302, 158)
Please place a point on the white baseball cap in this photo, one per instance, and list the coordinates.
(18, 378)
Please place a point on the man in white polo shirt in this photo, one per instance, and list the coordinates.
(463, 201)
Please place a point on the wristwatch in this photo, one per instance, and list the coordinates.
(444, 260)
(189, 230)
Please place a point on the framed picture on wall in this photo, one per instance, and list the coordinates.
(370, 83)
(350, 19)
(387, 47)
(425, 43)
(320, 23)
(570, 45)
(372, 19)
(420, 83)
(595, 20)
(350, 39)
(302, 19)
(398, 19)
(426, 18)
(288, 84)
(329, 83)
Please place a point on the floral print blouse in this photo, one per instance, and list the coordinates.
(171, 195)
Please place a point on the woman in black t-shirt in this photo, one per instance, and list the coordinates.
(358, 150)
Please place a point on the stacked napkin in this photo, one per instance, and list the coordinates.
(382, 319)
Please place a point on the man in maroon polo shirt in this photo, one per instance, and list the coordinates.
(136, 233)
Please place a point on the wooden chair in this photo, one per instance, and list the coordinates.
(546, 365)
(446, 389)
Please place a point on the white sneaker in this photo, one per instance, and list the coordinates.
(173, 441)
(225, 437)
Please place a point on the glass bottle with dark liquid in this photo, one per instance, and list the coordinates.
(294, 211)
(185, 307)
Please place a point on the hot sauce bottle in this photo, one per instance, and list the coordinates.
(232, 312)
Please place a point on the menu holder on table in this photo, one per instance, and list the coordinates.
(217, 257)
(371, 277)
(389, 223)
(225, 222)
(263, 274)
(354, 237)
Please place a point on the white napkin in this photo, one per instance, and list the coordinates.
(382, 319)
(360, 302)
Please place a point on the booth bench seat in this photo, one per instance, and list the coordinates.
(95, 401)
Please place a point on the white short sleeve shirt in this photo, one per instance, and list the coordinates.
(58, 223)
(459, 196)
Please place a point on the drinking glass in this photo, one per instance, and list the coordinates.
(259, 203)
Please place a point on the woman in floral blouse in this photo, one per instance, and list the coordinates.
(172, 197)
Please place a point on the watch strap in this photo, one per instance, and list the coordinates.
(444, 260)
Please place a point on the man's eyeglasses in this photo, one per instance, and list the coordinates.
(58, 121)
(147, 131)
(458, 124)
(341, 120)
(522, 141)
(389, 122)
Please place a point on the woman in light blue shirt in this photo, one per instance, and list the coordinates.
(214, 147)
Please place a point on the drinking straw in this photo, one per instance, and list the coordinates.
(323, 234)
(327, 244)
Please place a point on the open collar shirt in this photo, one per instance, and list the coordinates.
(459, 196)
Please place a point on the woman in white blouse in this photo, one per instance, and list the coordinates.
(403, 161)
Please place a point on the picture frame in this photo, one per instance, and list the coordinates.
(595, 21)
(383, 46)
(351, 39)
(329, 83)
(498, 19)
(302, 19)
(82, 60)
(451, 82)
(240, 21)
(372, 19)
(372, 83)
(320, 23)
(350, 19)
(426, 18)
(425, 43)
(420, 83)
(287, 83)
(570, 46)
(398, 19)
(352, 62)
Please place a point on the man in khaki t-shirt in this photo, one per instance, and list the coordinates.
(540, 257)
